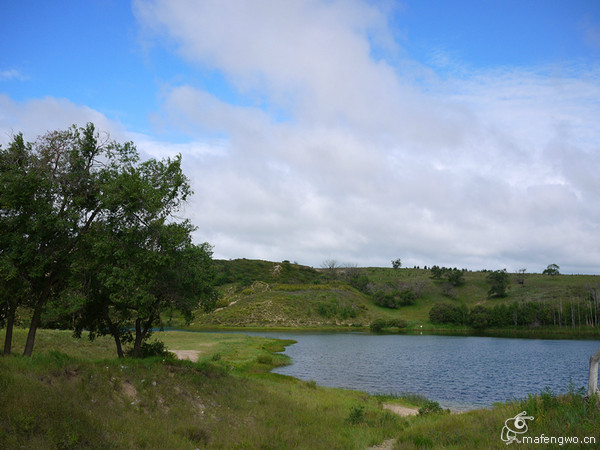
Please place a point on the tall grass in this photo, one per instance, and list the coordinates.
(61, 399)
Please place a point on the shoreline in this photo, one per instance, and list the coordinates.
(587, 335)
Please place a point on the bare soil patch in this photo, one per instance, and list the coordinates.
(191, 355)
(401, 410)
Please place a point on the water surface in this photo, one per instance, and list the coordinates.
(458, 372)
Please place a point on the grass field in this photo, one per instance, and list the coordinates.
(75, 394)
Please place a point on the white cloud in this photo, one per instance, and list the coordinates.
(488, 169)
(35, 117)
(376, 158)
(12, 74)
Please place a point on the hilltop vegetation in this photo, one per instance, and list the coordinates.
(269, 294)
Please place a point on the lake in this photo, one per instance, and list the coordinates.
(458, 372)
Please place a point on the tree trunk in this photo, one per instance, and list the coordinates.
(139, 338)
(10, 322)
(119, 347)
(35, 323)
(115, 333)
(593, 379)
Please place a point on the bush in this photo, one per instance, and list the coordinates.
(430, 407)
(449, 313)
(500, 283)
(479, 317)
(377, 325)
(357, 415)
(394, 299)
(398, 323)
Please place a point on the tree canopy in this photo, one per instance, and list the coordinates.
(90, 229)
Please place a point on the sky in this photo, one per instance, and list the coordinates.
(454, 133)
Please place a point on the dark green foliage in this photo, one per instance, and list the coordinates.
(379, 325)
(454, 276)
(500, 283)
(430, 407)
(449, 313)
(479, 317)
(357, 415)
(246, 271)
(90, 230)
(551, 270)
(396, 263)
(574, 313)
(395, 299)
(360, 281)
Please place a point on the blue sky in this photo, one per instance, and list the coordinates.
(458, 133)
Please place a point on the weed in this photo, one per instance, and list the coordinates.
(430, 407)
(311, 384)
(357, 415)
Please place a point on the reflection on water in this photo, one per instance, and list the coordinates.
(458, 372)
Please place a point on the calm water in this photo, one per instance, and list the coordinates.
(458, 372)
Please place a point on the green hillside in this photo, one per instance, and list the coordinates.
(258, 293)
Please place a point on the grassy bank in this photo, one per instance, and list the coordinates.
(75, 394)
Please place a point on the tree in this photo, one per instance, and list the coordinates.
(479, 317)
(50, 196)
(500, 283)
(331, 267)
(551, 270)
(138, 274)
(455, 276)
(139, 262)
(521, 276)
(396, 263)
(72, 195)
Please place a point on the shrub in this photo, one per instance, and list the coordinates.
(479, 317)
(398, 323)
(500, 282)
(357, 415)
(395, 298)
(449, 313)
(430, 407)
(377, 325)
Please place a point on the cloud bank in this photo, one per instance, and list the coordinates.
(327, 140)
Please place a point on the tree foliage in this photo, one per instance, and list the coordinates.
(551, 270)
(500, 282)
(89, 228)
(455, 277)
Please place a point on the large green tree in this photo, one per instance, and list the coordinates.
(139, 261)
(49, 198)
(73, 202)
(500, 283)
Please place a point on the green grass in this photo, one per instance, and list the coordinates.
(61, 398)
(75, 394)
(257, 295)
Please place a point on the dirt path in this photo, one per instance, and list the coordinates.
(401, 410)
(191, 355)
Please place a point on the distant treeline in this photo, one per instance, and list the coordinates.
(562, 313)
